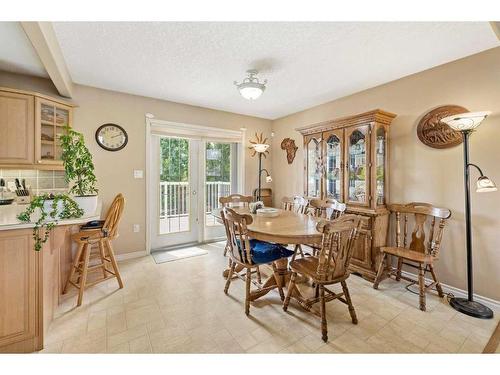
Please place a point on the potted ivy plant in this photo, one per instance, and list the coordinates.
(79, 170)
(45, 211)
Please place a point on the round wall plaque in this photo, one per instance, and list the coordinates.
(433, 133)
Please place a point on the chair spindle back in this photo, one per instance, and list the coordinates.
(428, 243)
(337, 245)
(238, 238)
(328, 209)
(296, 204)
(236, 200)
(114, 215)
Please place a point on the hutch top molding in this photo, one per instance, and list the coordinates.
(376, 115)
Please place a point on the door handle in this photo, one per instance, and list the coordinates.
(194, 192)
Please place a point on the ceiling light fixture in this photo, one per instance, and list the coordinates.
(251, 88)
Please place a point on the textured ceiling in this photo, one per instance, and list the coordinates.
(306, 64)
(16, 53)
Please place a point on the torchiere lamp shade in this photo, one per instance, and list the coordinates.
(465, 121)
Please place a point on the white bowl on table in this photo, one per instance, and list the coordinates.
(268, 212)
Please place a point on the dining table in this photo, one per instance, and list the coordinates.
(287, 228)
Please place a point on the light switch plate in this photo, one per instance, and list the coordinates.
(137, 228)
(138, 173)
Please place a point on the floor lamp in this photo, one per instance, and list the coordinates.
(260, 148)
(466, 123)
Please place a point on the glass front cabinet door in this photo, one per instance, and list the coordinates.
(313, 165)
(51, 120)
(334, 164)
(358, 165)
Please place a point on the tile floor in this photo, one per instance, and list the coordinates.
(180, 307)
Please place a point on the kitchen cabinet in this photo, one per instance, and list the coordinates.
(346, 159)
(30, 128)
(17, 128)
(31, 284)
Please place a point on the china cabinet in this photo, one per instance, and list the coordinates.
(30, 128)
(346, 159)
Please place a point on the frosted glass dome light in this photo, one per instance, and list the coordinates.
(250, 88)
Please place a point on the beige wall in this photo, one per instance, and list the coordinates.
(420, 173)
(114, 170)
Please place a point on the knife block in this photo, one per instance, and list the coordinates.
(23, 199)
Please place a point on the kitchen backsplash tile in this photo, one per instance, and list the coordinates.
(39, 181)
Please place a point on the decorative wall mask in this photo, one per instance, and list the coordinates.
(436, 134)
(288, 145)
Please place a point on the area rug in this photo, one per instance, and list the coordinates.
(492, 345)
(172, 255)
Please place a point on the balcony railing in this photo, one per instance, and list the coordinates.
(174, 197)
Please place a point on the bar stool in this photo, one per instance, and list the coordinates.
(102, 237)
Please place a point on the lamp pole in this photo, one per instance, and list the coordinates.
(468, 229)
(260, 173)
(469, 306)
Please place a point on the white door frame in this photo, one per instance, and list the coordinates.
(202, 133)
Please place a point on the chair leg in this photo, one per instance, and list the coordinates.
(316, 290)
(277, 277)
(379, 271)
(85, 268)
(259, 276)
(103, 259)
(438, 284)
(421, 286)
(247, 297)
(291, 285)
(324, 327)
(349, 302)
(400, 266)
(226, 248)
(229, 277)
(111, 254)
(75, 263)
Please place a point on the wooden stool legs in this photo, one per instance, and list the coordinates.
(81, 268)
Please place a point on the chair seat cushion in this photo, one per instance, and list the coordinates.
(405, 253)
(267, 252)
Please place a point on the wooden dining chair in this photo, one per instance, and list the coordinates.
(102, 237)
(330, 266)
(234, 200)
(423, 249)
(296, 204)
(329, 209)
(249, 253)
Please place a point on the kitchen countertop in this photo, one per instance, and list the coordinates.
(9, 220)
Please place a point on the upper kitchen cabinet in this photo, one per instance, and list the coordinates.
(17, 128)
(30, 128)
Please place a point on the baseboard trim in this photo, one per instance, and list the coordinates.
(132, 255)
(491, 303)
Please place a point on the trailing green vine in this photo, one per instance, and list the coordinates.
(48, 220)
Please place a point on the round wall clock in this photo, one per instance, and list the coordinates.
(111, 137)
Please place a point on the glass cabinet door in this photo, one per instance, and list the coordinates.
(357, 165)
(380, 160)
(313, 166)
(334, 165)
(52, 118)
